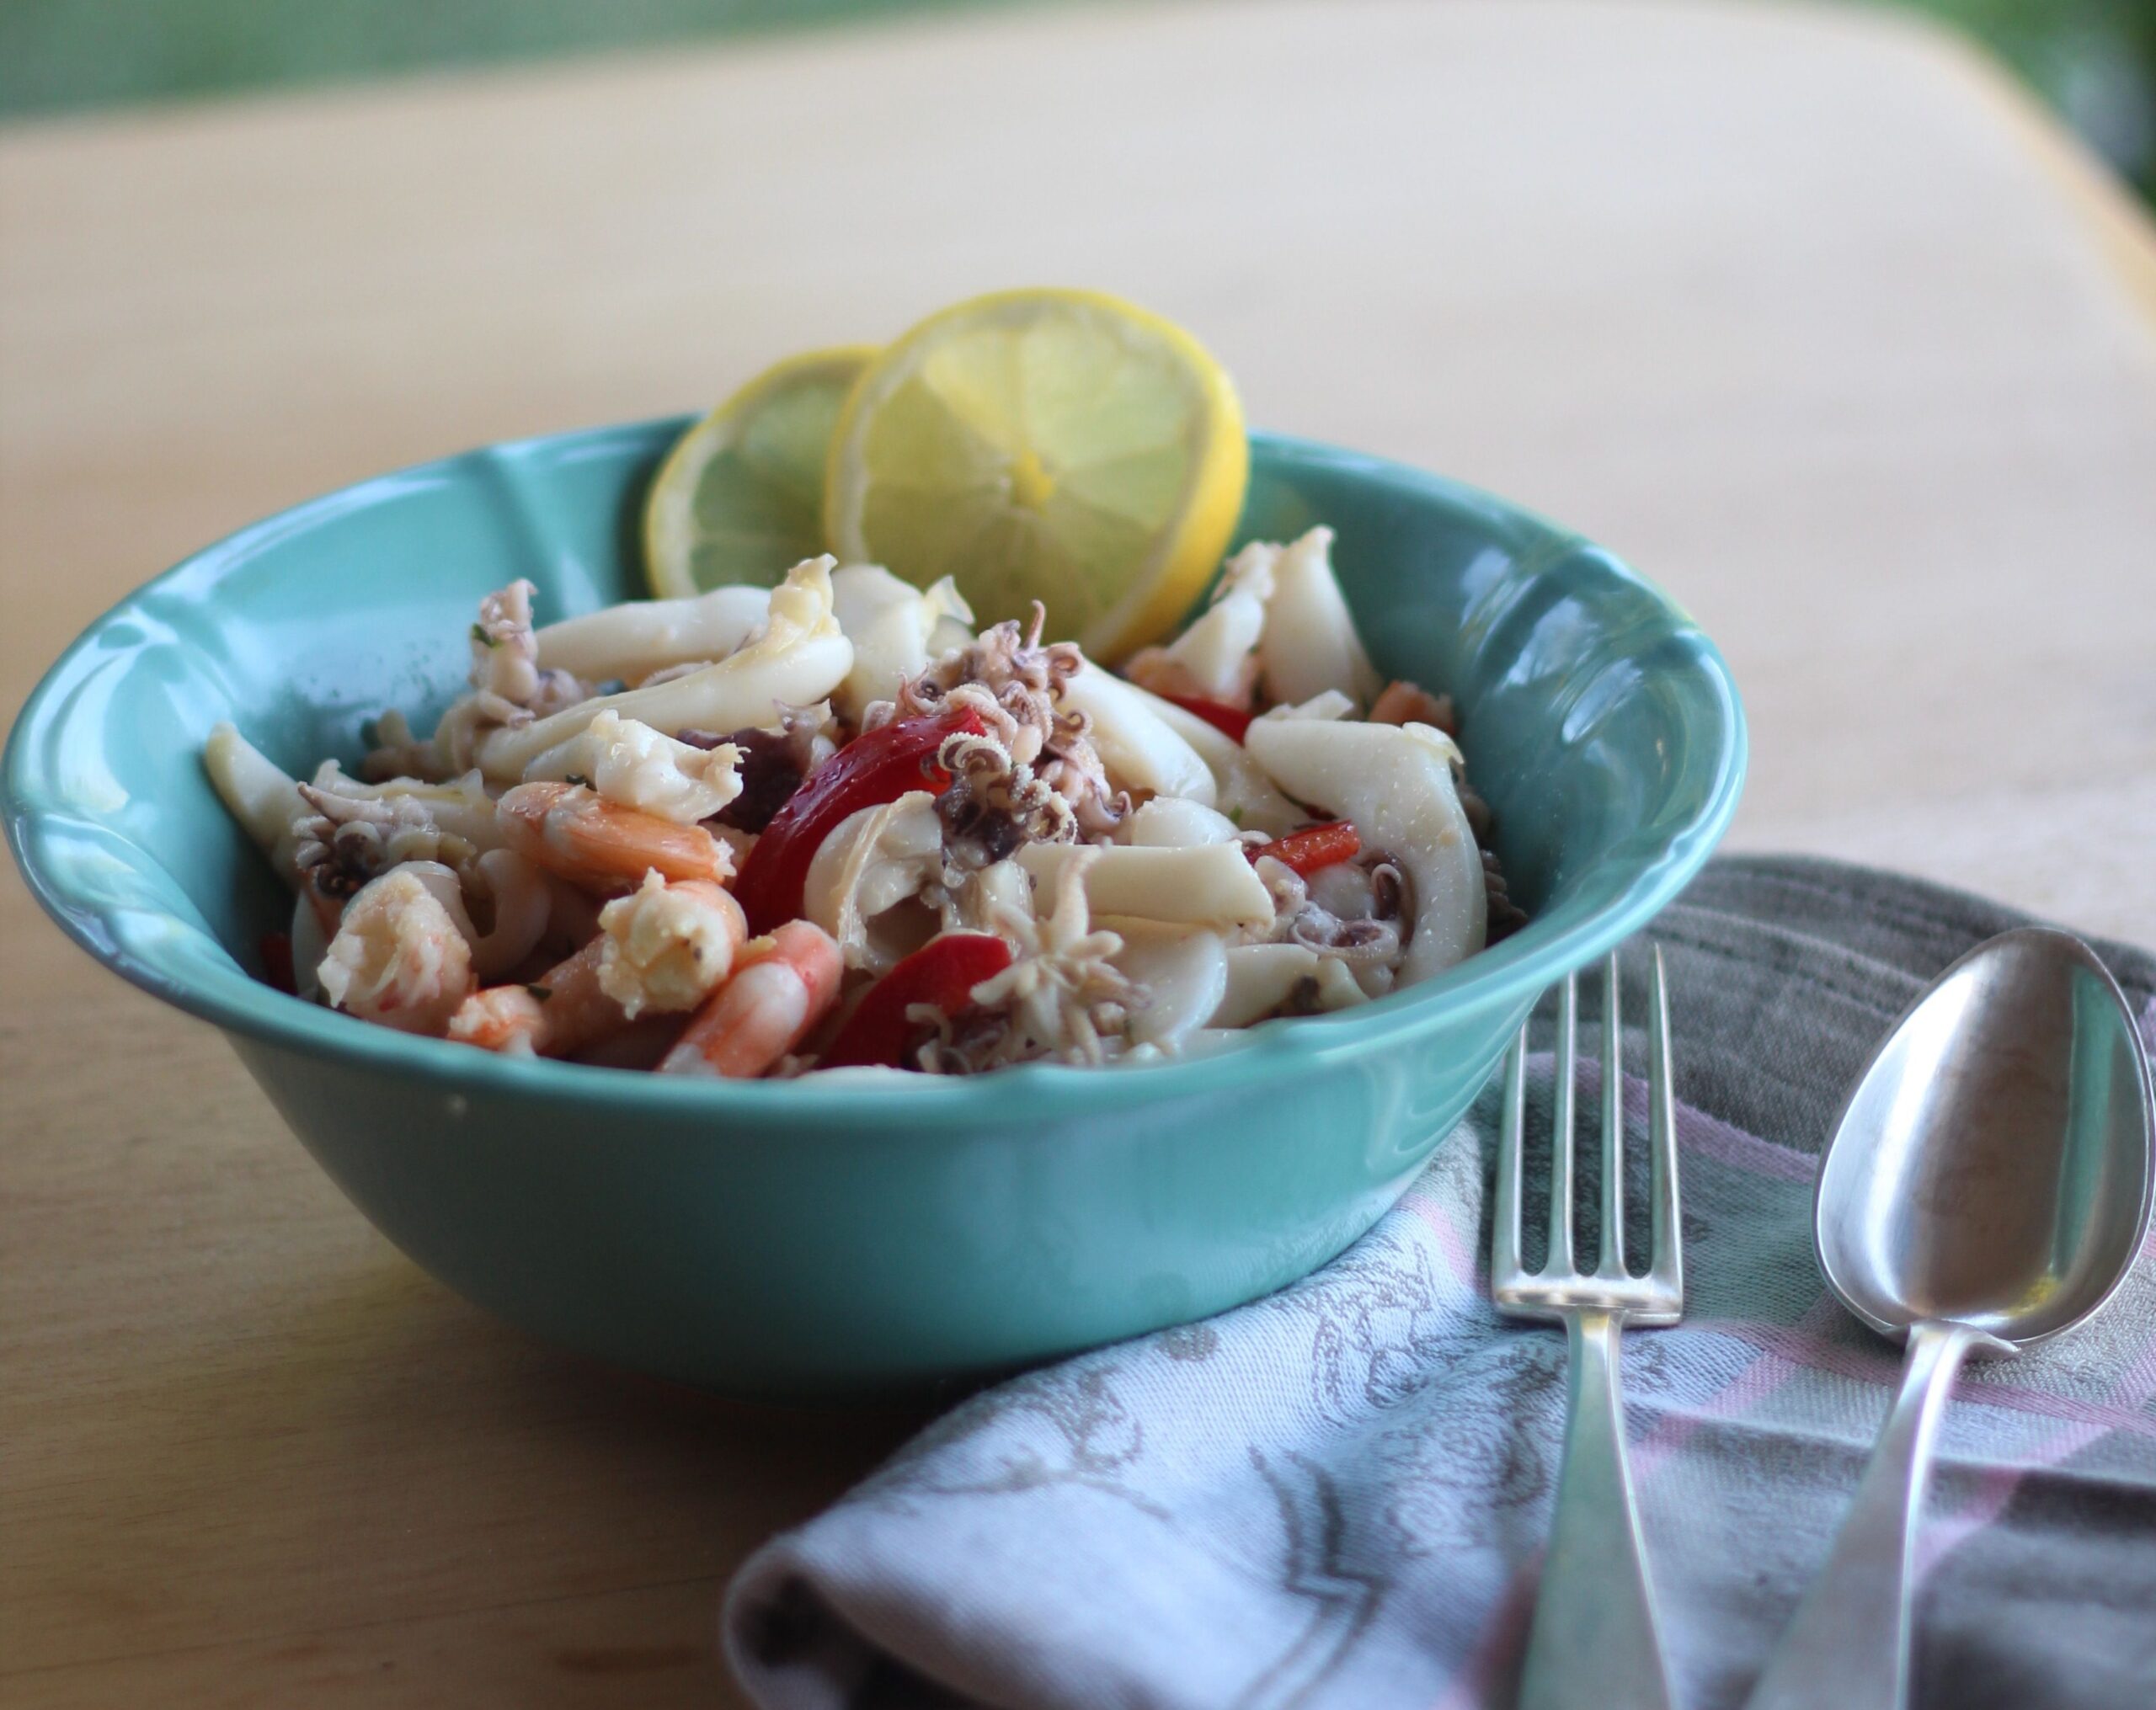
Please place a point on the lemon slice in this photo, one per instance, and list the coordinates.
(740, 497)
(1057, 446)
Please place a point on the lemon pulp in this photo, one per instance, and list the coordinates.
(1054, 446)
(740, 498)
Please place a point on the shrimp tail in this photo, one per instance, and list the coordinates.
(781, 988)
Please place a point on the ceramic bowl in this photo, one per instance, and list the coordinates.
(793, 1240)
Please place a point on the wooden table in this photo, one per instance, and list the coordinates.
(1807, 315)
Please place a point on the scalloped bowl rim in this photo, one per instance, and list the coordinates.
(1533, 959)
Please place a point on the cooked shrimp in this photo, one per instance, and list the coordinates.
(661, 949)
(564, 1010)
(765, 1010)
(1409, 703)
(570, 830)
(399, 956)
(666, 947)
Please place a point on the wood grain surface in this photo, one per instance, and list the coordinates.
(1808, 315)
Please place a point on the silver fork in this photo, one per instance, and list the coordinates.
(1595, 1640)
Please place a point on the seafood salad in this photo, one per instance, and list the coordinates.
(829, 825)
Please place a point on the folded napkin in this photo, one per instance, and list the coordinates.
(1338, 1495)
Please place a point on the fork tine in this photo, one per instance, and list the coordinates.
(1511, 1138)
(1664, 1246)
(1558, 1263)
(1613, 1124)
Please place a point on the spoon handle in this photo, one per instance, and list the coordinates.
(1847, 1647)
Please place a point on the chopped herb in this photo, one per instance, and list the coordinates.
(479, 635)
(541, 993)
(1235, 815)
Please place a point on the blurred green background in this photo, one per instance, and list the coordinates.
(2094, 61)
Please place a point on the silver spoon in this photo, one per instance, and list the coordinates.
(1986, 1187)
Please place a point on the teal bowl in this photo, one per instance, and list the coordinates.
(781, 1239)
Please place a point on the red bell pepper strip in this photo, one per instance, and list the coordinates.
(1313, 848)
(875, 768)
(943, 972)
(1231, 721)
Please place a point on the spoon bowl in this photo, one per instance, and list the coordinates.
(1992, 1166)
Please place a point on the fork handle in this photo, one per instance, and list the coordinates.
(1595, 1640)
